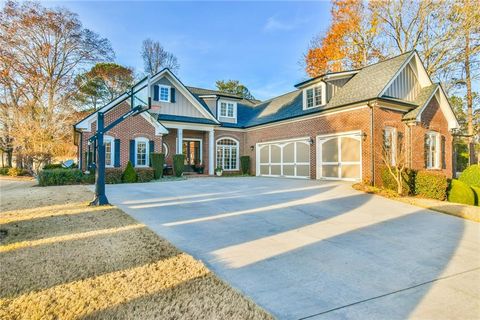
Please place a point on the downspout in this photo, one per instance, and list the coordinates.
(371, 105)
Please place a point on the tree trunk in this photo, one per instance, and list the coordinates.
(468, 81)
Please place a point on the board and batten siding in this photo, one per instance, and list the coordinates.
(405, 86)
(181, 107)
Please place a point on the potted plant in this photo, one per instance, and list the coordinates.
(218, 171)
(199, 167)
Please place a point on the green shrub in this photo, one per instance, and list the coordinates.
(178, 164)
(58, 177)
(113, 175)
(129, 175)
(408, 176)
(245, 164)
(460, 192)
(145, 174)
(53, 166)
(158, 161)
(88, 178)
(4, 171)
(476, 193)
(15, 172)
(431, 185)
(471, 176)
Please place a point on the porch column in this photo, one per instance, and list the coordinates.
(179, 140)
(211, 152)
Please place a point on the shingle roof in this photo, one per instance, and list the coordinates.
(423, 98)
(369, 82)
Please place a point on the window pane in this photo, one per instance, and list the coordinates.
(230, 110)
(108, 153)
(265, 169)
(141, 153)
(330, 171)
(264, 151)
(330, 150)
(303, 152)
(351, 171)
(164, 94)
(303, 170)
(350, 149)
(318, 96)
(289, 170)
(288, 152)
(275, 153)
(309, 98)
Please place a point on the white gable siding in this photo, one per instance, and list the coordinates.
(405, 86)
(181, 107)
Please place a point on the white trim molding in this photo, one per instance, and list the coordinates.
(323, 95)
(147, 152)
(237, 152)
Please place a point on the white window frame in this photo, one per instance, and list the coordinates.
(392, 131)
(165, 149)
(147, 143)
(234, 109)
(323, 90)
(434, 162)
(111, 140)
(169, 90)
(236, 146)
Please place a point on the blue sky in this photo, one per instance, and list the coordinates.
(258, 43)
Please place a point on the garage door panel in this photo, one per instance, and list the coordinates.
(285, 158)
(339, 157)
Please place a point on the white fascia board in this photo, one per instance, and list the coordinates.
(159, 128)
(445, 107)
(179, 85)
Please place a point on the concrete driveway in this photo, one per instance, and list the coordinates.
(317, 250)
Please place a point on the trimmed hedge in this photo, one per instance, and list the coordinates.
(431, 185)
(145, 174)
(178, 164)
(476, 193)
(59, 177)
(15, 172)
(408, 176)
(113, 175)
(129, 175)
(471, 176)
(460, 192)
(53, 166)
(245, 164)
(157, 161)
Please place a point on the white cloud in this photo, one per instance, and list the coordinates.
(275, 24)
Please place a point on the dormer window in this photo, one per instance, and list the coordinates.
(164, 93)
(227, 109)
(314, 97)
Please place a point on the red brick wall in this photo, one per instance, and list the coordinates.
(358, 119)
(131, 128)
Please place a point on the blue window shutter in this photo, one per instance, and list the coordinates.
(117, 153)
(132, 152)
(172, 94)
(156, 93)
(151, 149)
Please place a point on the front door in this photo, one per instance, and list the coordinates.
(191, 150)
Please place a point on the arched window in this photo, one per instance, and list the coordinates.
(165, 149)
(141, 152)
(109, 151)
(227, 154)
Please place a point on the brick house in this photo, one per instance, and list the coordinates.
(335, 126)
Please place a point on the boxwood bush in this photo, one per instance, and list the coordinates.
(471, 176)
(58, 177)
(129, 175)
(53, 166)
(158, 161)
(431, 185)
(408, 176)
(145, 174)
(4, 171)
(113, 175)
(476, 193)
(245, 164)
(15, 172)
(178, 164)
(460, 192)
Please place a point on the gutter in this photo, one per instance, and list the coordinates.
(371, 105)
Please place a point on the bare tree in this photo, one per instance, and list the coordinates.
(394, 157)
(41, 52)
(155, 57)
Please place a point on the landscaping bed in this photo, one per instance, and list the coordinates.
(62, 259)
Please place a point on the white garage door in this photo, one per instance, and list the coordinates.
(288, 158)
(339, 157)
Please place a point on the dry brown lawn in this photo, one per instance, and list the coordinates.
(60, 259)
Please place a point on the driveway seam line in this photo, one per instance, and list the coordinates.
(388, 294)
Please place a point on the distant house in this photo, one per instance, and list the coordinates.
(334, 126)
